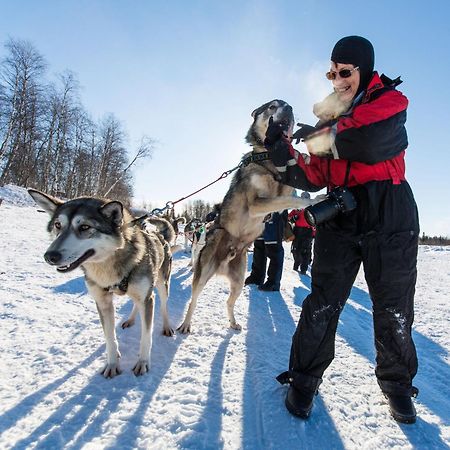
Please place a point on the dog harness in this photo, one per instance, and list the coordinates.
(122, 287)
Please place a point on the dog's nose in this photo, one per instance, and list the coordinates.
(52, 257)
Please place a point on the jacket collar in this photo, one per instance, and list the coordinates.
(375, 83)
(330, 108)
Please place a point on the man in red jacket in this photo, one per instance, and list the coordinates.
(304, 235)
(359, 143)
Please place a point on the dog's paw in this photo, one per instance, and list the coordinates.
(235, 326)
(141, 368)
(111, 370)
(318, 198)
(127, 323)
(184, 328)
(168, 331)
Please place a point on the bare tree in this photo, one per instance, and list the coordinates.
(48, 140)
(145, 150)
(20, 77)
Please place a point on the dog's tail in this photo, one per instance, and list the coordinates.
(179, 220)
(164, 227)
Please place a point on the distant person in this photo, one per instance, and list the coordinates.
(304, 234)
(269, 246)
(211, 216)
(357, 151)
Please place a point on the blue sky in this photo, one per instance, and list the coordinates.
(189, 73)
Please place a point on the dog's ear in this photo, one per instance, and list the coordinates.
(259, 110)
(113, 211)
(262, 108)
(255, 111)
(45, 201)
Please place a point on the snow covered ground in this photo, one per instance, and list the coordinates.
(212, 389)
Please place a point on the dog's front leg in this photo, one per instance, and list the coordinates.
(146, 309)
(263, 206)
(105, 308)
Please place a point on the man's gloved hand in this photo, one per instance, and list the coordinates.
(303, 132)
(275, 131)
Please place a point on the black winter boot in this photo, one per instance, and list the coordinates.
(269, 287)
(399, 398)
(402, 408)
(300, 395)
(252, 280)
(299, 403)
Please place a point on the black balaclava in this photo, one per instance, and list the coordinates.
(358, 51)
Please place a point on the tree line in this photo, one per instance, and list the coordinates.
(433, 240)
(49, 141)
(192, 209)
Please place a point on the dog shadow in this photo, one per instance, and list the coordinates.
(81, 417)
(74, 286)
(269, 332)
(9, 418)
(209, 425)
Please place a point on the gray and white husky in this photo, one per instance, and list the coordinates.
(254, 193)
(116, 256)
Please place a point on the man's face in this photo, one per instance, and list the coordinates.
(345, 88)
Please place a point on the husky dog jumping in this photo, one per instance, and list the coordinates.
(116, 256)
(254, 193)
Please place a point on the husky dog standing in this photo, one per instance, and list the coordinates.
(254, 193)
(189, 231)
(117, 256)
(198, 242)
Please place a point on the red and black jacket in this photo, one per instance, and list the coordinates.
(370, 142)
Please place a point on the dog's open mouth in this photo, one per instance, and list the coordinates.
(76, 263)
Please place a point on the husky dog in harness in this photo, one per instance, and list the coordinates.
(117, 256)
(255, 192)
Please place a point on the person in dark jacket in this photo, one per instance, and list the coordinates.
(359, 143)
(304, 235)
(269, 245)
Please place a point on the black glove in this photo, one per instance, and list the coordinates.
(275, 131)
(303, 132)
(279, 152)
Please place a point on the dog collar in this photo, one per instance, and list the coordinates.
(258, 158)
(254, 157)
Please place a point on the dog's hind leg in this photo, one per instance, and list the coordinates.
(163, 286)
(131, 319)
(236, 276)
(105, 308)
(146, 310)
(202, 274)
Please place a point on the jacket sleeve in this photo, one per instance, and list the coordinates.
(375, 131)
(297, 170)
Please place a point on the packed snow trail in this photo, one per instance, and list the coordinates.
(214, 388)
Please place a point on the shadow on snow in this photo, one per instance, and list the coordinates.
(80, 418)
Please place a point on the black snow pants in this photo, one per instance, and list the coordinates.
(261, 252)
(382, 235)
(302, 247)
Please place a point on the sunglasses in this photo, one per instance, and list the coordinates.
(344, 73)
